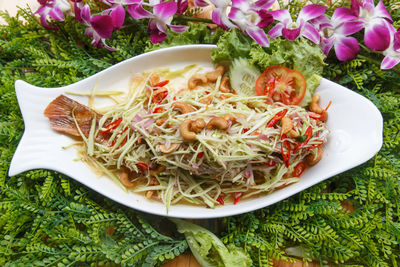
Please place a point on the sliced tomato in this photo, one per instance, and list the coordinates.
(282, 85)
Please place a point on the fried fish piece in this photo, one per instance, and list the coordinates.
(61, 112)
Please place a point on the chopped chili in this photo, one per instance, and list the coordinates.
(161, 84)
(200, 155)
(245, 130)
(315, 116)
(144, 167)
(277, 118)
(159, 97)
(111, 126)
(237, 197)
(221, 200)
(308, 137)
(321, 142)
(269, 163)
(299, 169)
(285, 156)
(158, 110)
(123, 141)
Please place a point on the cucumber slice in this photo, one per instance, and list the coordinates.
(243, 77)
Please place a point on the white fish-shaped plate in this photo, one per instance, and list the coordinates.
(355, 126)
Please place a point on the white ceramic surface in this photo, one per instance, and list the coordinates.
(355, 125)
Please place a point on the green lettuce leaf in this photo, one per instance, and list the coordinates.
(208, 249)
(301, 55)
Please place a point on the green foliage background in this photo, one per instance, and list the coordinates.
(47, 219)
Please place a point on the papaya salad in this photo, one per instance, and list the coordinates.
(205, 138)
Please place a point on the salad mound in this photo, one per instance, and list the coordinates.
(191, 136)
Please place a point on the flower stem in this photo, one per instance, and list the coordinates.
(194, 19)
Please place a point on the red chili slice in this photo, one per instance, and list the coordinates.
(237, 197)
(269, 163)
(299, 169)
(221, 200)
(144, 167)
(277, 118)
(159, 97)
(161, 84)
(158, 110)
(308, 134)
(285, 156)
(200, 155)
(111, 126)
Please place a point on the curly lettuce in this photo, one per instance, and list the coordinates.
(301, 55)
(208, 249)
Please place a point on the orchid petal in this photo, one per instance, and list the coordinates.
(276, 31)
(311, 33)
(216, 17)
(377, 35)
(43, 21)
(368, 4)
(281, 15)
(380, 11)
(160, 25)
(241, 4)
(346, 48)
(182, 6)
(389, 62)
(291, 34)
(201, 3)
(350, 27)
(266, 19)
(41, 10)
(326, 45)
(258, 35)
(157, 37)
(138, 12)
(343, 14)
(178, 28)
(131, 2)
(235, 14)
(355, 7)
(77, 13)
(56, 14)
(263, 4)
(85, 13)
(102, 25)
(396, 40)
(165, 10)
(311, 12)
(118, 17)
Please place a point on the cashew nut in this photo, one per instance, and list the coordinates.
(217, 123)
(207, 100)
(293, 134)
(153, 181)
(186, 131)
(225, 86)
(313, 159)
(287, 125)
(196, 80)
(314, 107)
(233, 119)
(171, 148)
(212, 76)
(183, 107)
(126, 180)
(161, 121)
(197, 125)
(154, 79)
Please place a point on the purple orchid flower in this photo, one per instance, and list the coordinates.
(392, 53)
(220, 14)
(335, 33)
(376, 22)
(117, 11)
(53, 9)
(99, 28)
(159, 20)
(301, 27)
(251, 18)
